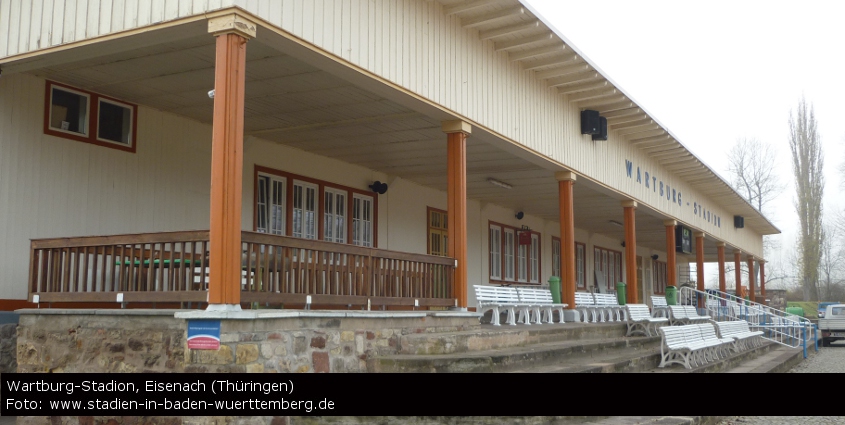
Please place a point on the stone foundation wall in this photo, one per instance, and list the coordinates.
(251, 341)
(8, 343)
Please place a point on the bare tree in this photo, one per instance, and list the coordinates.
(807, 164)
(831, 266)
(753, 173)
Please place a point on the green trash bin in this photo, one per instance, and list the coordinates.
(621, 296)
(671, 295)
(554, 287)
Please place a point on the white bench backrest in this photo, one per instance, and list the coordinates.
(638, 312)
(606, 299)
(496, 294)
(678, 311)
(658, 301)
(674, 336)
(584, 299)
(534, 296)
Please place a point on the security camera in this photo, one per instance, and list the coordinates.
(211, 94)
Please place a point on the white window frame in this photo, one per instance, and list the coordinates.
(300, 227)
(534, 259)
(362, 227)
(509, 254)
(332, 215)
(87, 120)
(495, 252)
(131, 121)
(271, 182)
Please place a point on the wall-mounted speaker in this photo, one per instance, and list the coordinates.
(602, 134)
(590, 122)
(519, 215)
(739, 221)
(379, 187)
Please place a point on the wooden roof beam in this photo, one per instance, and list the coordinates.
(649, 140)
(465, 7)
(492, 17)
(666, 147)
(638, 129)
(686, 158)
(522, 41)
(512, 29)
(673, 151)
(593, 94)
(649, 133)
(583, 86)
(559, 60)
(636, 121)
(574, 68)
(540, 51)
(614, 101)
(574, 79)
(610, 107)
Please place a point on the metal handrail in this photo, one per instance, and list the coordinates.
(778, 326)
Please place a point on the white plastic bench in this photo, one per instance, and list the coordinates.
(540, 300)
(708, 334)
(739, 330)
(585, 305)
(498, 297)
(639, 320)
(659, 306)
(608, 306)
(685, 315)
(685, 345)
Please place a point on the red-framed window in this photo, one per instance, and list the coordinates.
(438, 230)
(511, 262)
(609, 263)
(580, 262)
(299, 206)
(659, 277)
(84, 116)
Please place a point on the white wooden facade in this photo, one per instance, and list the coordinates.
(52, 187)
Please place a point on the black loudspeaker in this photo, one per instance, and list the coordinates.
(590, 122)
(602, 134)
(739, 221)
(379, 187)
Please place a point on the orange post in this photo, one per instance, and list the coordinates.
(456, 193)
(224, 285)
(671, 275)
(631, 251)
(720, 252)
(738, 272)
(566, 181)
(752, 285)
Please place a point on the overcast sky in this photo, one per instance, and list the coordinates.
(716, 71)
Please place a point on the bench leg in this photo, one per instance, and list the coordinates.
(511, 317)
(495, 319)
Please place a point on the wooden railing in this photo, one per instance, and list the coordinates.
(173, 267)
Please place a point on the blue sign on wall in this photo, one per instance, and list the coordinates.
(203, 334)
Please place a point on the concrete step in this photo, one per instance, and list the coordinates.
(567, 352)
(491, 337)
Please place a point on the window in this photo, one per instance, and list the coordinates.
(580, 262)
(495, 252)
(511, 261)
(660, 277)
(609, 263)
(362, 220)
(304, 210)
(270, 208)
(580, 266)
(89, 117)
(334, 207)
(437, 231)
(288, 204)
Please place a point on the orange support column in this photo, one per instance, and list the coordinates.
(752, 286)
(763, 280)
(720, 252)
(224, 277)
(566, 181)
(738, 272)
(630, 208)
(671, 271)
(699, 265)
(456, 193)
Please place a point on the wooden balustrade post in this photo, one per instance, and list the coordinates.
(232, 32)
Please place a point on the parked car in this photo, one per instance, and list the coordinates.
(823, 307)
